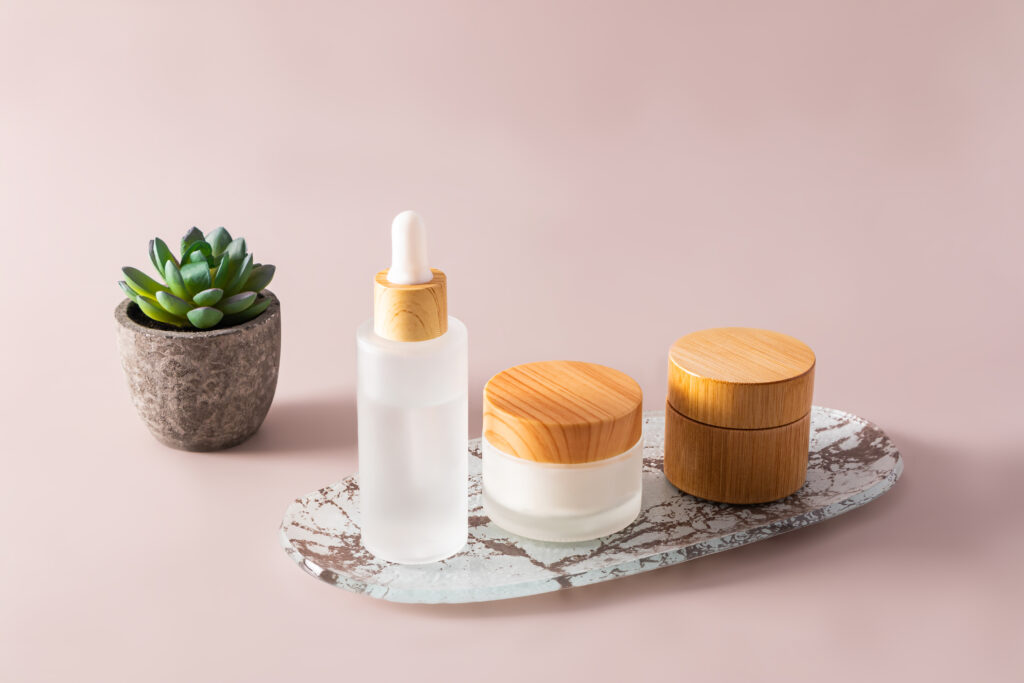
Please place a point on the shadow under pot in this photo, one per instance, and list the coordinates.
(562, 450)
(737, 420)
(200, 390)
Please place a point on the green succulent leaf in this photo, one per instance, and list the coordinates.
(160, 254)
(237, 303)
(219, 239)
(174, 280)
(157, 263)
(239, 280)
(208, 297)
(215, 271)
(196, 277)
(128, 291)
(154, 312)
(173, 304)
(142, 283)
(230, 264)
(249, 313)
(198, 251)
(193, 235)
(260, 277)
(220, 276)
(204, 317)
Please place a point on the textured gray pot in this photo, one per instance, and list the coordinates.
(201, 391)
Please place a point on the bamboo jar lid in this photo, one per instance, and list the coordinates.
(741, 378)
(566, 412)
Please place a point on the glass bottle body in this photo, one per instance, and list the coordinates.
(413, 423)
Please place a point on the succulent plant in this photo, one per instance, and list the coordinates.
(213, 282)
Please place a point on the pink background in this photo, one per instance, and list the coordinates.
(598, 179)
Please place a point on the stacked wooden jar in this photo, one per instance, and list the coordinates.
(738, 415)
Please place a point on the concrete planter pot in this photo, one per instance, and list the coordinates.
(201, 390)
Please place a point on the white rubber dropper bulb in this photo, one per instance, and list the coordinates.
(409, 264)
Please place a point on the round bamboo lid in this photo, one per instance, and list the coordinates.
(740, 377)
(565, 412)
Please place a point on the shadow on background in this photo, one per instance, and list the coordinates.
(317, 424)
(948, 505)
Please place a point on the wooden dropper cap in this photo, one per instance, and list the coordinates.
(410, 299)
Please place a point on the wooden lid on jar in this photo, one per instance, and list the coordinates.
(741, 378)
(566, 412)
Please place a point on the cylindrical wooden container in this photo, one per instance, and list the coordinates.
(737, 419)
(562, 450)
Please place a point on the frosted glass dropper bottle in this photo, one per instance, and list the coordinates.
(413, 409)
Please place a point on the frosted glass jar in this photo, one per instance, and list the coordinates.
(555, 502)
(562, 450)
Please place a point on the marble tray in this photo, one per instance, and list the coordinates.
(851, 463)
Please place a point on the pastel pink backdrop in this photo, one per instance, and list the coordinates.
(598, 180)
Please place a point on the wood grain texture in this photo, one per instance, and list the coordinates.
(566, 412)
(410, 312)
(741, 377)
(737, 466)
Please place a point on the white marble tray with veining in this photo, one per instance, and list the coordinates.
(852, 462)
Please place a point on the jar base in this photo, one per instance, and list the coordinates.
(563, 529)
(735, 466)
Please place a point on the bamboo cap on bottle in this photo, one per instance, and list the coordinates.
(566, 412)
(741, 378)
(410, 313)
